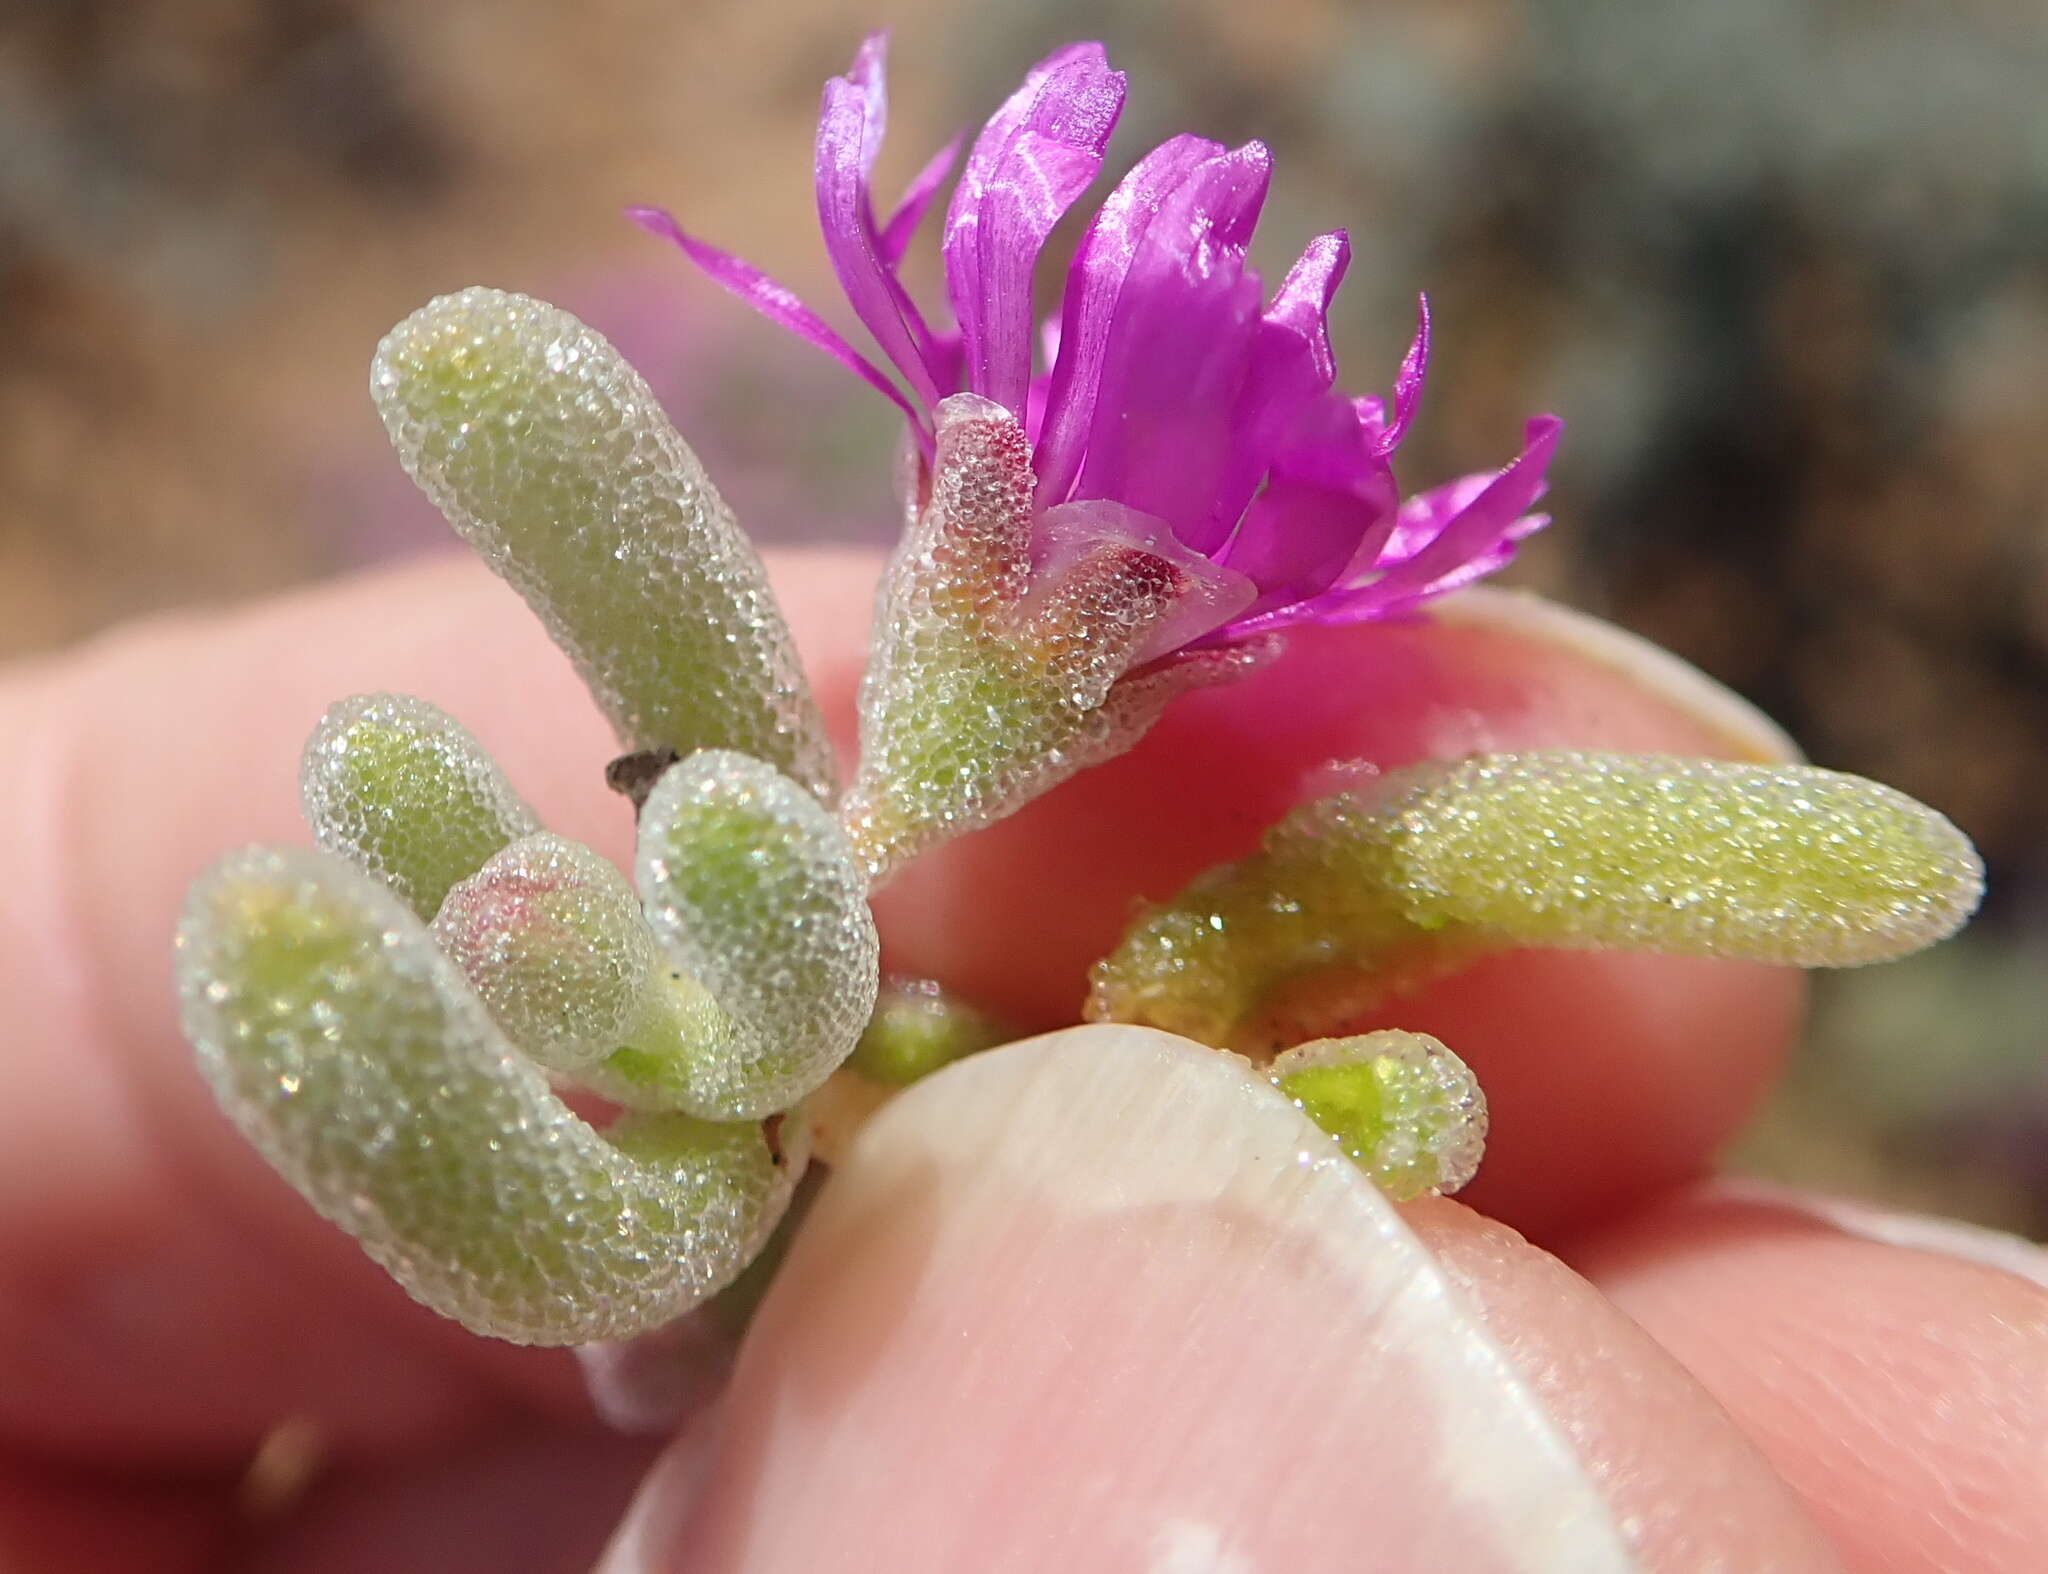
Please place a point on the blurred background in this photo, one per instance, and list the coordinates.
(1783, 264)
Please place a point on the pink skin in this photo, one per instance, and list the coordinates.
(1739, 1380)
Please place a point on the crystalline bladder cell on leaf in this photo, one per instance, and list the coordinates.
(353, 1054)
(551, 456)
(1407, 1110)
(404, 793)
(1359, 896)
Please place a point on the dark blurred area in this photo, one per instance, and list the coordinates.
(1783, 264)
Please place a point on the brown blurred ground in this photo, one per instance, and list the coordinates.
(1780, 261)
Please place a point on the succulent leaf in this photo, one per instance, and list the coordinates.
(1407, 1110)
(916, 1029)
(761, 909)
(403, 792)
(1366, 894)
(551, 938)
(1767, 863)
(551, 456)
(352, 1053)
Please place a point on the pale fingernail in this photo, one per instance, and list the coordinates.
(1106, 1300)
(1745, 732)
(1922, 1232)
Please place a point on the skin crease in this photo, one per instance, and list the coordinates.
(164, 1300)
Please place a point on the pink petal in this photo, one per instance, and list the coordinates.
(1179, 345)
(1408, 381)
(851, 119)
(1094, 282)
(1425, 516)
(1492, 520)
(916, 202)
(1292, 365)
(1328, 504)
(1036, 155)
(778, 304)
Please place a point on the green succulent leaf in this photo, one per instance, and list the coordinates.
(1407, 1110)
(761, 908)
(551, 456)
(1366, 894)
(405, 794)
(351, 1052)
(916, 1029)
(551, 938)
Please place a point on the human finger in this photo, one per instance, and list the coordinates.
(1895, 1372)
(1105, 1300)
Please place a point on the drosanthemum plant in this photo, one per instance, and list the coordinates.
(1141, 496)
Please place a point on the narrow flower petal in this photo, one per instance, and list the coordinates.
(1180, 342)
(1489, 518)
(1425, 516)
(1408, 381)
(1469, 572)
(916, 202)
(1292, 365)
(851, 121)
(1095, 281)
(1493, 520)
(778, 303)
(1295, 543)
(1035, 157)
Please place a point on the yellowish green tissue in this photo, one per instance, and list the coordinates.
(349, 1049)
(760, 907)
(1766, 863)
(917, 1028)
(551, 938)
(551, 456)
(404, 793)
(1364, 895)
(1407, 1110)
(990, 682)
(1288, 944)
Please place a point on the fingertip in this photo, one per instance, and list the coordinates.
(1608, 1077)
(1903, 1392)
(1608, 1073)
(1111, 1256)
(1015, 914)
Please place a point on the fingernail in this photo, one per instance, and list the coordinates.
(1923, 1232)
(1744, 732)
(1106, 1300)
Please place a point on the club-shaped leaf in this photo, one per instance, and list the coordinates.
(551, 456)
(404, 793)
(1363, 895)
(551, 938)
(761, 908)
(351, 1052)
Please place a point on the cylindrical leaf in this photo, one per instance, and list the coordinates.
(762, 910)
(550, 456)
(404, 793)
(1366, 894)
(348, 1048)
(1766, 863)
(551, 938)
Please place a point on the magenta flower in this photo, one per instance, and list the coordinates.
(1166, 407)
